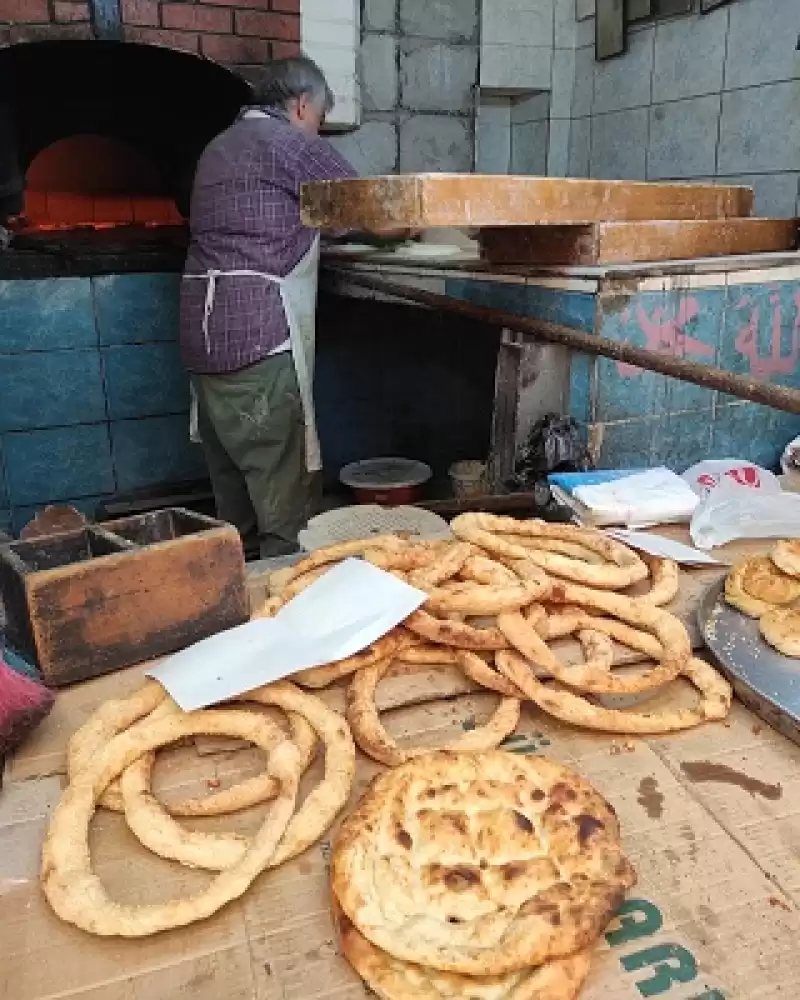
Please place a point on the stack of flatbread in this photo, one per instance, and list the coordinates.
(477, 876)
(768, 588)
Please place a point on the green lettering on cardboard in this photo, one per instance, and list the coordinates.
(637, 919)
(670, 962)
(709, 995)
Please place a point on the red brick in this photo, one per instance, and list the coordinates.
(50, 32)
(254, 22)
(286, 6)
(284, 50)
(142, 12)
(28, 11)
(232, 50)
(252, 4)
(185, 40)
(196, 17)
(66, 11)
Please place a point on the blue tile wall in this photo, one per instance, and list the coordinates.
(627, 445)
(684, 324)
(51, 389)
(492, 294)
(679, 440)
(46, 315)
(137, 308)
(555, 305)
(77, 356)
(5, 499)
(761, 333)
(60, 462)
(154, 450)
(144, 380)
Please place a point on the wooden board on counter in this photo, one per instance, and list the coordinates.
(629, 242)
(420, 201)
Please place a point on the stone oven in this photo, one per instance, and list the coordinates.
(104, 109)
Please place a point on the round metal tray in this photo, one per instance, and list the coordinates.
(763, 679)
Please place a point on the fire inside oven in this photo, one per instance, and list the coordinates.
(99, 140)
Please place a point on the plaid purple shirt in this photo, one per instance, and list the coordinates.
(246, 215)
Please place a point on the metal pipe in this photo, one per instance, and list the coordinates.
(777, 396)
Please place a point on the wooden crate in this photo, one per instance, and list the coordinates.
(629, 242)
(420, 201)
(85, 602)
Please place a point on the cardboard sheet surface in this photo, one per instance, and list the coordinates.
(710, 818)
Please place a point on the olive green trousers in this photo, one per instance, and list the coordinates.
(252, 430)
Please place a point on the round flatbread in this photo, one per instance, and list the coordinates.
(786, 556)
(755, 586)
(480, 864)
(781, 629)
(392, 979)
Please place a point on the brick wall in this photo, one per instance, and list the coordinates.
(241, 34)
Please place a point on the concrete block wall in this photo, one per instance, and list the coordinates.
(418, 67)
(695, 97)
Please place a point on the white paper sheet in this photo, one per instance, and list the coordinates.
(342, 613)
(657, 545)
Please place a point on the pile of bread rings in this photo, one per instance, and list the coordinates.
(768, 588)
(110, 761)
(498, 593)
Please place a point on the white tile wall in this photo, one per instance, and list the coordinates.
(516, 67)
(331, 34)
(517, 22)
(493, 136)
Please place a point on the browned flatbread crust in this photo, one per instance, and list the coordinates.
(786, 556)
(481, 864)
(755, 586)
(392, 979)
(158, 831)
(75, 892)
(781, 629)
(622, 567)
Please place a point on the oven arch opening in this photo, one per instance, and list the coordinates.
(104, 133)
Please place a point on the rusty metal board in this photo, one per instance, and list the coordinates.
(767, 682)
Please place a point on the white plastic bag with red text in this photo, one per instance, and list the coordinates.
(740, 500)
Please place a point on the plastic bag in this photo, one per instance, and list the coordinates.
(734, 510)
(790, 459)
(554, 445)
(705, 477)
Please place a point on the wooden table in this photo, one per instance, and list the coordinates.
(719, 880)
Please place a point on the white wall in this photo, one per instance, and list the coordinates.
(331, 35)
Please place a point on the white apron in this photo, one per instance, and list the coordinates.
(298, 291)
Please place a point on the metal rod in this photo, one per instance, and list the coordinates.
(777, 396)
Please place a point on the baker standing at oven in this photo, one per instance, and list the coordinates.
(248, 302)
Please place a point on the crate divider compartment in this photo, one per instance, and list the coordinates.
(160, 526)
(83, 602)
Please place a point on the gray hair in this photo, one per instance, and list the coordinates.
(288, 80)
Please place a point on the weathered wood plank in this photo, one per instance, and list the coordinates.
(629, 242)
(88, 602)
(421, 201)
